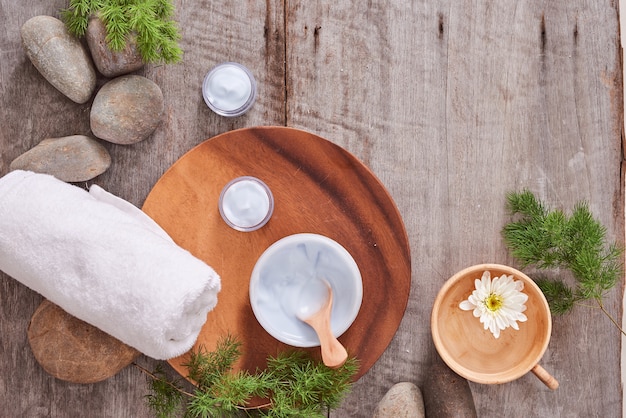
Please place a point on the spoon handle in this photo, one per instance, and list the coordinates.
(334, 354)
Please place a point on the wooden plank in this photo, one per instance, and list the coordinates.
(213, 32)
(450, 103)
(453, 104)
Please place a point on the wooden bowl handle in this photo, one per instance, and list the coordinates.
(545, 377)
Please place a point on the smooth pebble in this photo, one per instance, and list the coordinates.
(108, 62)
(403, 400)
(72, 350)
(71, 158)
(446, 394)
(59, 57)
(126, 110)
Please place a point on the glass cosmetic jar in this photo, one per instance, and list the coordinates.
(246, 203)
(229, 89)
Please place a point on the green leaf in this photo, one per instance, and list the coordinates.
(294, 384)
(560, 297)
(552, 240)
(205, 368)
(76, 23)
(165, 398)
(149, 22)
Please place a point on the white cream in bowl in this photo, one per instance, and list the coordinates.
(285, 268)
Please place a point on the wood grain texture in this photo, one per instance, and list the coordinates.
(318, 188)
(469, 349)
(451, 104)
(212, 32)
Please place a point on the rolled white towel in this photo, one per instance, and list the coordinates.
(104, 261)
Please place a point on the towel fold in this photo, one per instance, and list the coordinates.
(104, 261)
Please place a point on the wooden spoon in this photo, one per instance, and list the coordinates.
(315, 304)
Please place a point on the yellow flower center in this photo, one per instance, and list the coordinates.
(493, 302)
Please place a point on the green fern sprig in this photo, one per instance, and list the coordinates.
(149, 21)
(552, 240)
(167, 396)
(293, 384)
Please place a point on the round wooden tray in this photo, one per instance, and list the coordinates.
(318, 187)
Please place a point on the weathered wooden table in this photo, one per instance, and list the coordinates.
(451, 104)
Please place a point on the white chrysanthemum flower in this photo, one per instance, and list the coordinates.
(498, 303)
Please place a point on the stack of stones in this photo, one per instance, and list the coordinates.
(126, 110)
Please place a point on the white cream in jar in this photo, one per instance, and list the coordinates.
(246, 203)
(229, 89)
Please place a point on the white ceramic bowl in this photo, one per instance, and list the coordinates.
(285, 267)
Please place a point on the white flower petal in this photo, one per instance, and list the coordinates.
(466, 305)
(485, 283)
(500, 321)
(496, 332)
(497, 302)
(473, 300)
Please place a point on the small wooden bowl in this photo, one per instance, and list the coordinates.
(473, 352)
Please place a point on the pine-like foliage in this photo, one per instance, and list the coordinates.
(150, 22)
(552, 240)
(293, 384)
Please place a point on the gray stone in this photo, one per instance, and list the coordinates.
(403, 400)
(111, 63)
(71, 158)
(446, 394)
(60, 58)
(126, 110)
